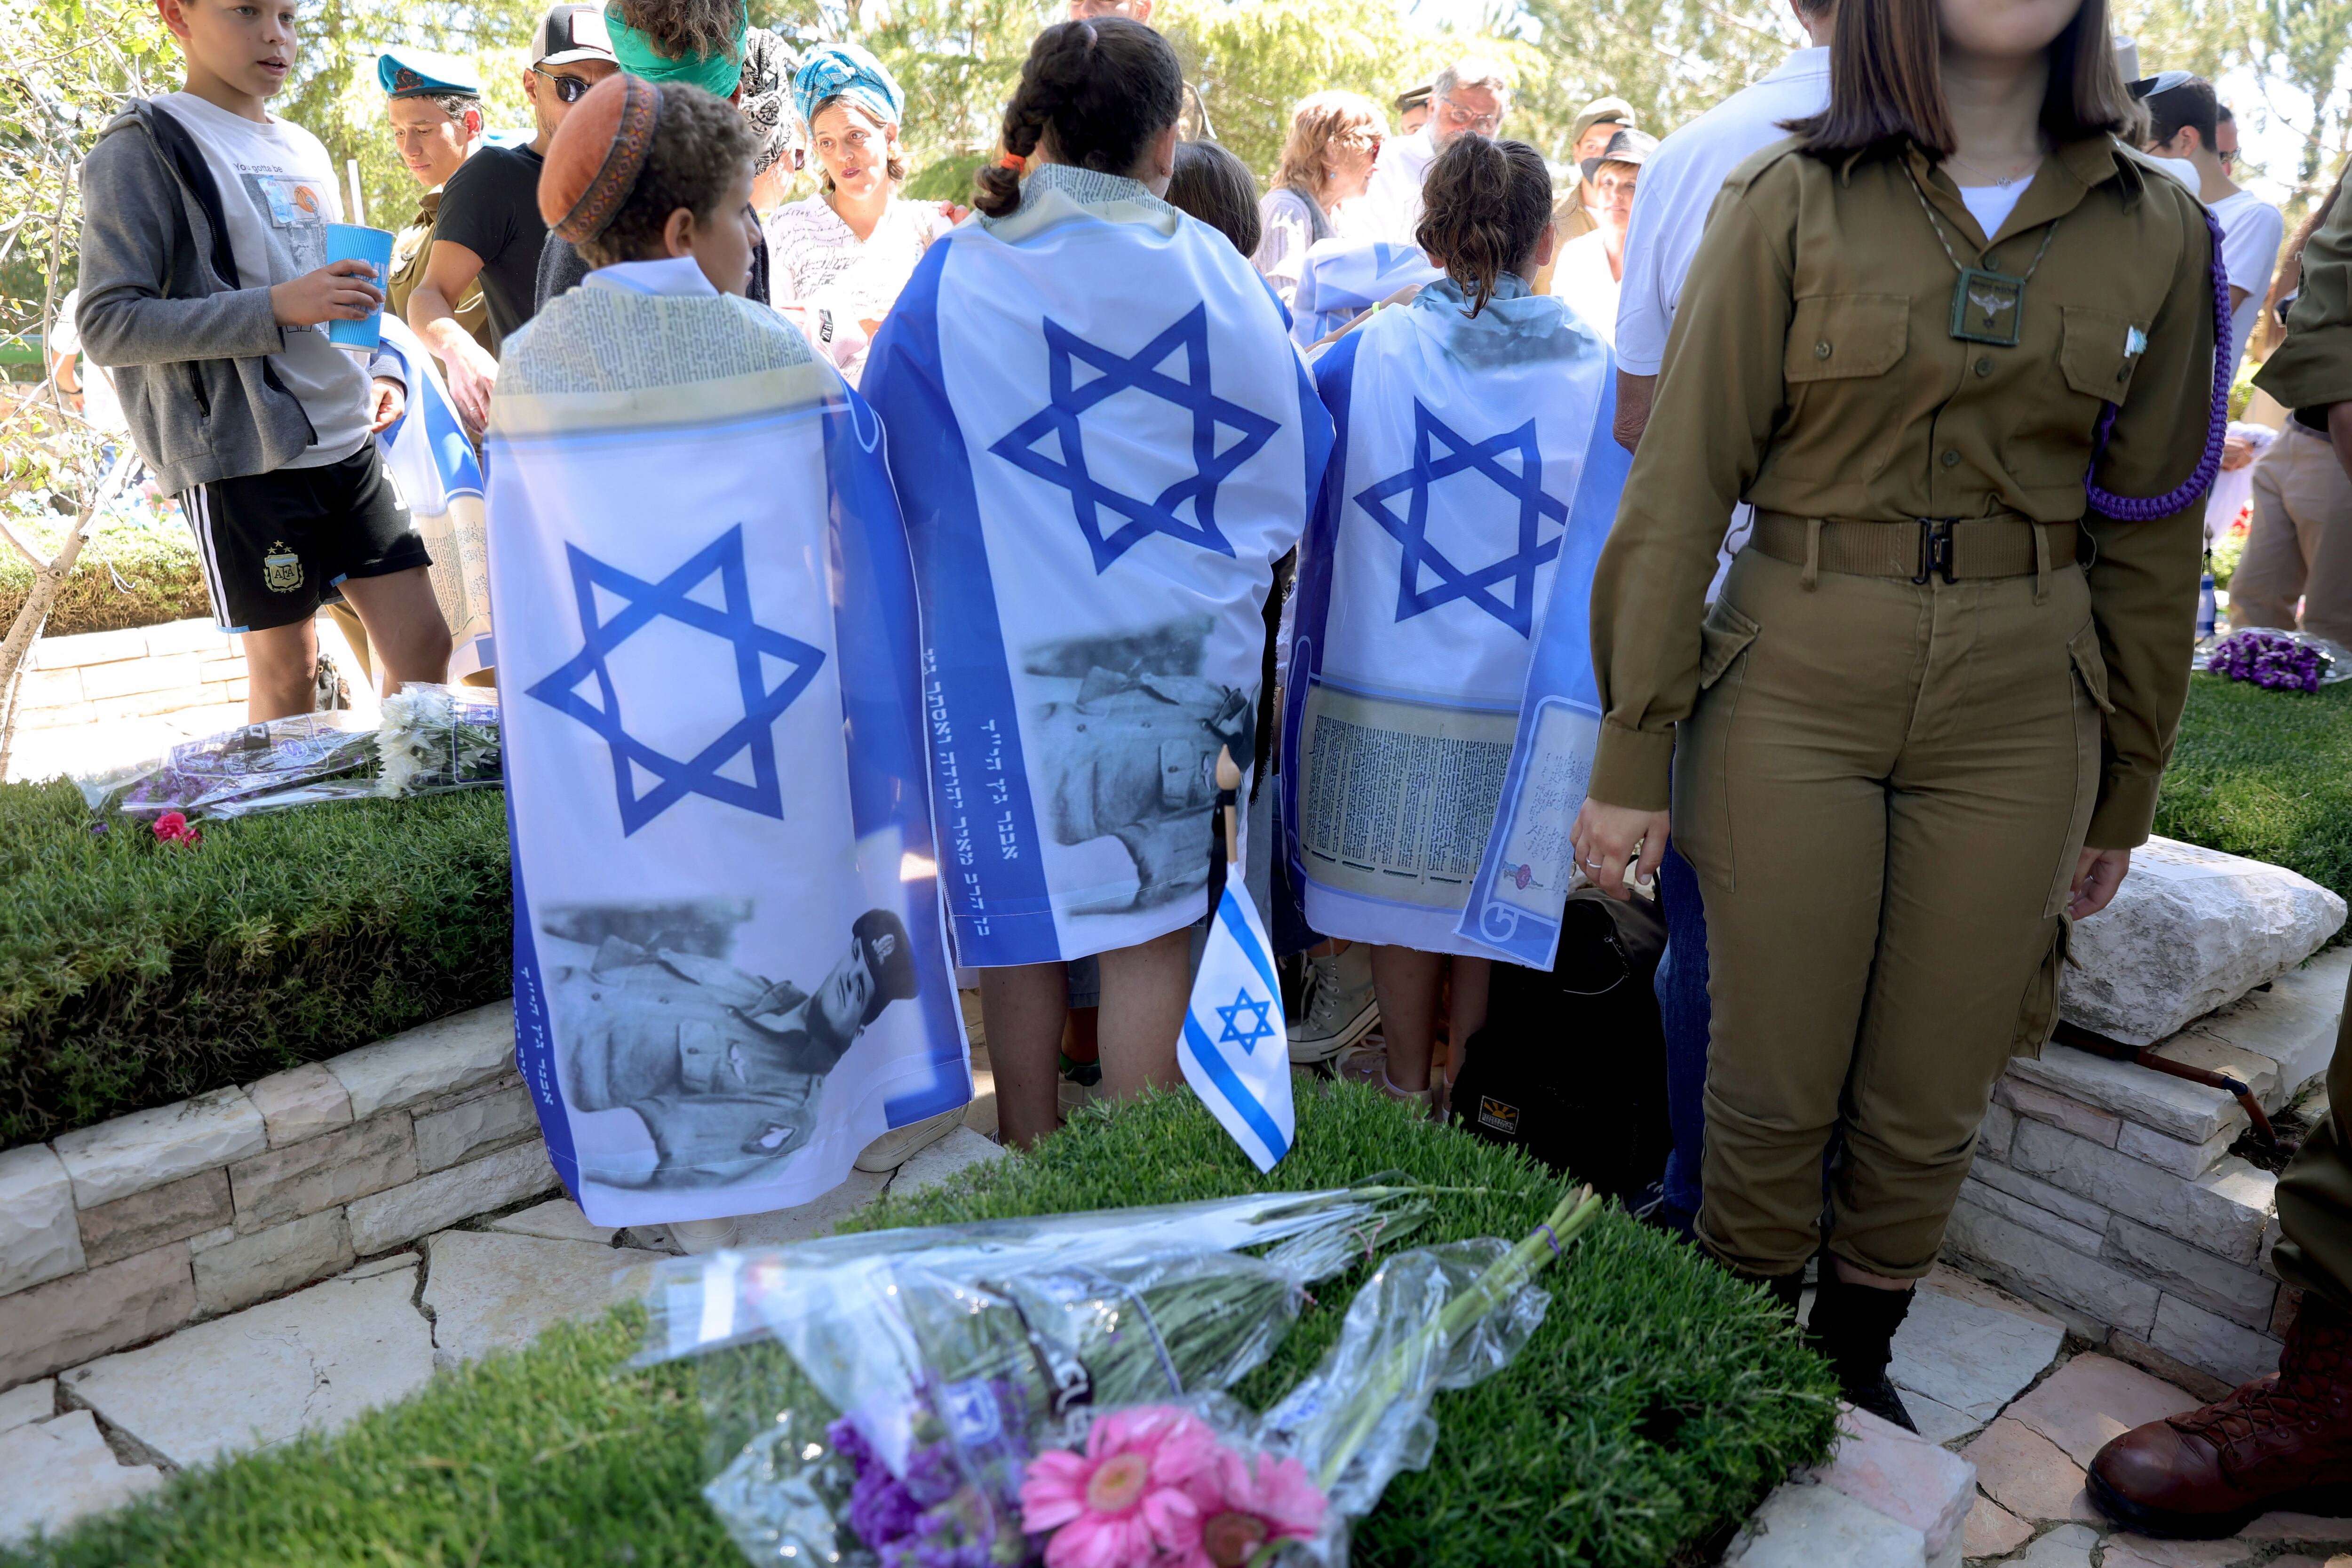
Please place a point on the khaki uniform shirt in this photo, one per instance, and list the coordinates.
(409, 248)
(1812, 370)
(2314, 367)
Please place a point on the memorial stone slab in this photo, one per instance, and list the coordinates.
(2190, 930)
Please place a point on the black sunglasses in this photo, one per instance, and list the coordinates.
(568, 89)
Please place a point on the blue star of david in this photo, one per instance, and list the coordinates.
(1411, 529)
(762, 703)
(1245, 1033)
(1090, 497)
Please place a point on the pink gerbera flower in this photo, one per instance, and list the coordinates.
(1127, 1498)
(1240, 1507)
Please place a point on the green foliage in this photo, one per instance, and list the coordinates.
(1657, 1403)
(1670, 60)
(2266, 774)
(133, 974)
(137, 572)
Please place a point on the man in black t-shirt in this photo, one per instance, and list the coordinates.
(490, 227)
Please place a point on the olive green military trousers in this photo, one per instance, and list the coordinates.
(1884, 788)
(2315, 1195)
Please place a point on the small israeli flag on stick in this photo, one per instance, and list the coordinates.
(1236, 1051)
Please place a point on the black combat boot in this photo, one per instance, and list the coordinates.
(1853, 1326)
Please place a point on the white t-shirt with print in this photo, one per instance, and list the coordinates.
(276, 187)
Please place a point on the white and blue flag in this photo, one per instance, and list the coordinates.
(1442, 711)
(1341, 278)
(433, 468)
(1236, 1049)
(729, 970)
(1102, 441)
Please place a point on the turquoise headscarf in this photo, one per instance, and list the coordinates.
(847, 70)
(714, 73)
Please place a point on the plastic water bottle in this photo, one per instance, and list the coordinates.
(2205, 610)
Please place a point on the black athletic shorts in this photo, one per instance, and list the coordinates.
(276, 545)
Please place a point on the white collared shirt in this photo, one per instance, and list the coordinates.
(1679, 184)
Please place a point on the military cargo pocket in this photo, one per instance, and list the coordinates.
(1702, 793)
(1832, 337)
(2087, 680)
(2037, 1013)
(2099, 351)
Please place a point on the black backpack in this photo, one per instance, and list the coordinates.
(1572, 1066)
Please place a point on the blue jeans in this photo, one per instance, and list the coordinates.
(1685, 1013)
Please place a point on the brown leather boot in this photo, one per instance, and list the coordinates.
(2282, 1441)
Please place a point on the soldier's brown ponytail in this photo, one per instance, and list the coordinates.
(1483, 207)
(1099, 89)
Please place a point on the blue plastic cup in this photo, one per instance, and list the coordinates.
(356, 242)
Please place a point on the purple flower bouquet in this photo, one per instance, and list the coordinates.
(2274, 660)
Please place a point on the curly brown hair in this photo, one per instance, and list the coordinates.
(683, 27)
(1484, 205)
(701, 147)
(1102, 89)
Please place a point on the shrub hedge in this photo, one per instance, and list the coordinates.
(1655, 1405)
(134, 973)
(140, 572)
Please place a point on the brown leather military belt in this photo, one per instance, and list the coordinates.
(1955, 549)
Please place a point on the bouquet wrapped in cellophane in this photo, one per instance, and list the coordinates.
(1052, 1390)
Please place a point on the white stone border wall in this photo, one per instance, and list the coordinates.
(2105, 1192)
(115, 1234)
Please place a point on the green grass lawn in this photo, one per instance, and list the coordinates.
(2266, 774)
(1655, 1405)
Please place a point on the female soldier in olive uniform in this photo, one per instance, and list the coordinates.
(1926, 718)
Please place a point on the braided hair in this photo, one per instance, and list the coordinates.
(1483, 207)
(1099, 91)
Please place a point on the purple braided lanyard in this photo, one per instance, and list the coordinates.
(2132, 509)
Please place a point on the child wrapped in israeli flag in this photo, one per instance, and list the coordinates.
(729, 972)
(1441, 712)
(1102, 440)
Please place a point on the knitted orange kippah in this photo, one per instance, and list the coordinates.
(596, 155)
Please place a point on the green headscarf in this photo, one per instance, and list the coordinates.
(715, 73)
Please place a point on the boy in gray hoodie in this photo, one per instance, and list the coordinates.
(206, 290)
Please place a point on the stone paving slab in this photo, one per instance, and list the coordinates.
(28, 1402)
(307, 1361)
(2028, 1474)
(1991, 1531)
(804, 1222)
(557, 1219)
(489, 1291)
(1803, 1526)
(2092, 1399)
(1970, 1354)
(57, 1470)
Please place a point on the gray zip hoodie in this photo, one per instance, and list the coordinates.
(161, 309)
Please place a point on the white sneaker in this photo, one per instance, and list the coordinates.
(1336, 1006)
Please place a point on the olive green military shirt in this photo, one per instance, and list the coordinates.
(410, 247)
(1812, 370)
(2314, 367)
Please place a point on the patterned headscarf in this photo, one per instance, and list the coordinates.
(849, 71)
(766, 105)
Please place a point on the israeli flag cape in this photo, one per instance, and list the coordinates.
(1442, 714)
(1343, 277)
(1102, 442)
(1236, 1049)
(433, 468)
(729, 971)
